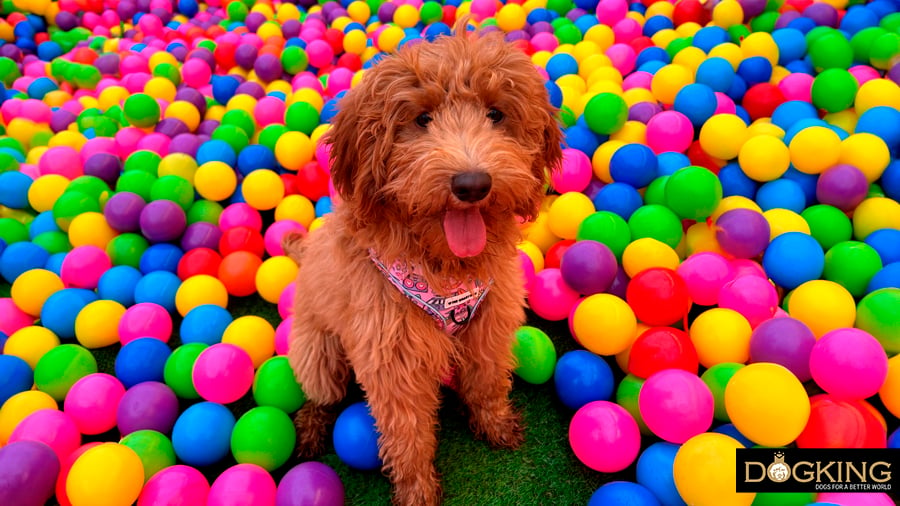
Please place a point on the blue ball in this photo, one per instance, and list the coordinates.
(791, 45)
(329, 110)
(887, 277)
(654, 471)
(651, 67)
(803, 24)
(561, 64)
(730, 430)
(894, 440)
(696, 101)
(755, 70)
(634, 164)
(586, 21)
(554, 92)
(652, 53)
(15, 376)
(807, 183)
(799, 125)
(356, 439)
(882, 121)
(801, 67)
(792, 111)
(188, 7)
(43, 222)
(582, 138)
(709, 37)
(20, 257)
(886, 242)
(256, 156)
(540, 14)
(857, 18)
(656, 23)
(588, 5)
(202, 434)
(435, 30)
(323, 206)
(781, 193)
(118, 284)
(670, 161)
(735, 182)
(216, 150)
(142, 360)
(737, 89)
(158, 287)
(14, 187)
(41, 86)
(54, 263)
(223, 87)
(619, 198)
(793, 258)
(60, 310)
(623, 493)
(717, 73)
(161, 257)
(205, 324)
(581, 377)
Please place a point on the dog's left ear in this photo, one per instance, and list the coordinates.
(548, 138)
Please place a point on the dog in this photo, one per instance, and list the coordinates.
(438, 157)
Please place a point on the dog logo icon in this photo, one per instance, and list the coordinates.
(778, 471)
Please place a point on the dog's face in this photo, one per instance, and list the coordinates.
(455, 135)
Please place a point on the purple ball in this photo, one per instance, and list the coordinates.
(143, 5)
(185, 143)
(541, 26)
(310, 484)
(785, 18)
(163, 15)
(149, 405)
(588, 267)
(517, 35)
(842, 186)
(619, 285)
(170, 127)
(126, 9)
(823, 14)
(743, 233)
(255, 19)
(207, 127)
(291, 28)
(386, 12)
(643, 111)
(11, 51)
(894, 73)
(752, 8)
(162, 221)
(268, 68)
(201, 53)
(245, 56)
(123, 211)
(105, 166)
(60, 119)
(107, 64)
(201, 235)
(785, 341)
(575, 13)
(179, 52)
(193, 96)
(29, 470)
(253, 89)
(66, 21)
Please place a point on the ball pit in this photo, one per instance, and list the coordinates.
(724, 221)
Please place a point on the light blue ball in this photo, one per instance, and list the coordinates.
(793, 258)
(655, 472)
(205, 324)
(202, 434)
(623, 493)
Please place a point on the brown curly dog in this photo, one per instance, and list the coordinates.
(437, 156)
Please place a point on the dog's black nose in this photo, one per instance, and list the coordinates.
(471, 186)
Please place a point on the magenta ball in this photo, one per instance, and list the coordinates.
(145, 319)
(669, 131)
(842, 186)
(310, 484)
(742, 233)
(676, 405)
(92, 403)
(705, 273)
(604, 436)
(162, 221)
(527, 270)
(54, 428)
(177, 484)
(249, 482)
(123, 211)
(752, 296)
(276, 232)
(848, 364)
(29, 470)
(223, 373)
(574, 174)
(550, 297)
(785, 341)
(83, 266)
(149, 405)
(588, 267)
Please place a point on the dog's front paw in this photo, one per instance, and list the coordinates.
(501, 431)
(312, 422)
(421, 492)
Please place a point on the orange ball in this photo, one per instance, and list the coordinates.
(237, 271)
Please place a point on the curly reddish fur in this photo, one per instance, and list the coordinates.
(393, 179)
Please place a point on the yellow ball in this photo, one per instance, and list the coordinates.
(623, 356)
(91, 229)
(764, 158)
(30, 344)
(178, 164)
(647, 252)
(567, 213)
(109, 474)
(390, 38)
(721, 335)
(604, 324)
(293, 150)
(601, 35)
(199, 290)
(701, 237)
(889, 392)
(601, 158)
(632, 132)
(764, 126)
(669, 80)
(19, 406)
(730, 52)
(785, 220)
(867, 152)
(297, 208)
(112, 96)
(760, 44)
(359, 11)
(846, 120)
(242, 102)
(511, 17)
(534, 254)
(406, 16)
(690, 58)
(273, 276)
(215, 181)
(68, 138)
(32, 288)
(705, 471)
(355, 41)
(185, 112)
(723, 135)
(823, 306)
(815, 149)
(310, 96)
(253, 334)
(262, 189)
(160, 87)
(767, 403)
(728, 13)
(288, 12)
(733, 202)
(873, 214)
(44, 191)
(97, 324)
(539, 233)
(876, 92)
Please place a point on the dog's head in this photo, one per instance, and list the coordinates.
(455, 135)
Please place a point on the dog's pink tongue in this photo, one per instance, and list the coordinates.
(465, 231)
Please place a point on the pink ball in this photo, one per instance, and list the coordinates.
(849, 364)
(604, 436)
(550, 297)
(863, 73)
(92, 403)
(796, 86)
(98, 145)
(622, 57)
(12, 318)
(306, 80)
(724, 104)
(52, 427)
(240, 215)
(639, 79)
(276, 232)
(150, 24)
(676, 405)
(36, 111)
(747, 267)
(286, 300)
(320, 53)
(574, 173)
(223, 373)
(195, 72)
(340, 79)
(269, 111)
(156, 142)
(609, 12)
(544, 41)
(855, 498)
(482, 9)
(83, 266)
(752, 296)
(243, 484)
(134, 63)
(282, 335)
(669, 131)
(61, 160)
(145, 319)
(177, 484)
(705, 273)
(626, 30)
(127, 139)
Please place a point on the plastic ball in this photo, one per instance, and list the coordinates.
(815, 149)
(310, 483)
(153, 448)
(205, 323)
(721, 335)
(793, 258)
(589, 267)
(145, 320)
(823, 306)
(264, 436)
(633, 164)
(356, 438)
(767, 403)
(30, 469)
(550, 297)
(202, 434)
(669, 131)
(655, 472)
(237, 271)
(660, 348)
(200, 290)
(30, 290)
(141, 110)
(704, 470)
(785, 341)
(274, 385)
(61, 367)
(848, 364)
(141, 360)
(705, 273)
(574, 173)
(752, 296)
(92, 403)
(243, 480)
(147, 406)
(15, 376)
(717, 378)
(836, 423)
(175, 483)
(223, 373)
(606, 113)
(671, 395)
(109, 473)
(162, 220)
(535, 355)
(263, 189)
(693, 192)
(874, 315)
(604, 436)
(581, 377)
(842, 186)
(764, 157)
(658, 296)
(604, 324)
(117, 285)
(852, 264)
(123, 210)
(622, 492)
(52, 427)
(834, 89)
(30, 344)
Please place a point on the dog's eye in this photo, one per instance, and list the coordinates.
(423, 119)
(495, 116)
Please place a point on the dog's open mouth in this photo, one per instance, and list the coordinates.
(465, 232)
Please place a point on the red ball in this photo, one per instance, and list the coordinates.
(761, 100)
(449, 14)
(841, 424)
(554, 255)
(658, 296)
(335, 39)
(238, 273)
(242, 239)
(224, 54)
(641, 43)
(660, 348)
(199, 261)
(701, 158)
(312, 181)
(350, 61)
(690, 10)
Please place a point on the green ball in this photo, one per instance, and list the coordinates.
(765, 22)
(862, 41)
(717, 378)
(269, 135)
(93, 186)
(431, 12)
(877, 314)
(142, 160)
(241, 119)
(852, 264)
(674, 47)
(568, 34)
(71, 204)
(9, 71)
(693, 193)
(606, 227)
(784, 498)
(294, 60)
(136, 181)
(891, 22)
(831, 51)
(234, 136)
(12, 231)
(834, 90)
(167, 71)
(606, 113)
(61, 367)
(237, 11)
(828, 225)
(53, 241)
(567, 116)
(88, 77)
(153, 448)
(174, 188)
(301, 117)
(738, 33)
(8, 163)
(204, 210)
(627, 394)
(535, 355)
(141, 110)
(178, 368)
(9, 142)
(264, 436)
(561, 7)
(126, 249)
(883, 50)
(658, 222)
(276, 386)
